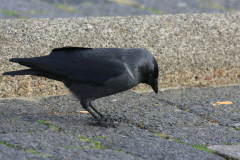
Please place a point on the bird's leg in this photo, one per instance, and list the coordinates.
(85, 106)
(100, 114)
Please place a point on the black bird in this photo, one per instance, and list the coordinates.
(94, 73)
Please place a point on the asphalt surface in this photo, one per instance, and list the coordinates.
(92, 8)
(146, 126)
(174, 124)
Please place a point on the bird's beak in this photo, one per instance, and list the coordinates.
(154, 84)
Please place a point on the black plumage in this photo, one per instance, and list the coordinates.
(94, 73)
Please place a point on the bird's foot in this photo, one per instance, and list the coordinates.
(106, 123)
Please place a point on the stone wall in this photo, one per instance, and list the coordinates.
(191, 49)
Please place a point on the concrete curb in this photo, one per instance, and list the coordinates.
(191, 49)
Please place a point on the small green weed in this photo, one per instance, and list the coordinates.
(221, 7)
(36, 152)
(88, 3)
(32, 151)
(55, 127)
(201, 147)
(162, 135)
(11, 13)
(97, 144)
(74, 147)
(100, 137)
(43, 122)
(47, 123)
(121, 151)
(155, 11)
(235, 129)
(66, 7)
(227, 143)
(142, 126)
(7, 144)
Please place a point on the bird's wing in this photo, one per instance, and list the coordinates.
(86, 65)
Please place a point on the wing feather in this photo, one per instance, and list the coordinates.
(96, 66)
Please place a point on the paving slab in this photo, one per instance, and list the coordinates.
(58, 9)
(88, 154)
(48, 139)
(191, 6)
(137, 119)
(10, 9)
(155, 115)
(228, 151)
(202, 102)
(141, 143)
(11, 119)
(13, 154)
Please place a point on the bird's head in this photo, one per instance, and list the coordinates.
(149, 72)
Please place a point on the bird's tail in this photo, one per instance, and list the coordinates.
(28, 62)
(39, 66)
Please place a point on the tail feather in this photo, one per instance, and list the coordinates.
(14, 60)
(39, 66)
(31, 62)
(23, 72)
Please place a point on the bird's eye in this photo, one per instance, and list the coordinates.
(150, 75)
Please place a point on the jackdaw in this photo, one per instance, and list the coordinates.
(92, 73)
